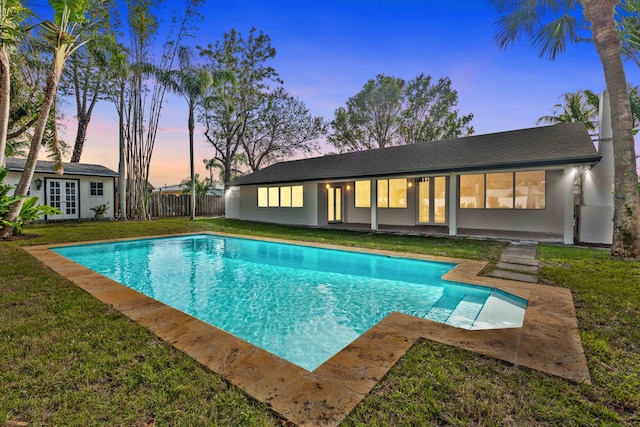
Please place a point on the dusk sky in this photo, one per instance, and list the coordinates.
(327, 50)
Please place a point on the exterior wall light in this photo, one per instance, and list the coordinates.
(38, 183)
(348, 187)
(327, 186)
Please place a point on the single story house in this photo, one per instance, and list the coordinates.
(81, 187)
(520, 183)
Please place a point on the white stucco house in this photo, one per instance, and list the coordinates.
(81, 187)
(548, 182)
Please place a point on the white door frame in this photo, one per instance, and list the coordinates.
(63, 194)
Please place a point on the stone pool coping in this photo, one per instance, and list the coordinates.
(549, 340)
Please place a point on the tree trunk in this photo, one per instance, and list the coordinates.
(81, 136)
(30, 166)
(626, 218)
(192, 167)
(5, 91)
(122, 175)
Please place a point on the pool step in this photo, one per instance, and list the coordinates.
(451, 310)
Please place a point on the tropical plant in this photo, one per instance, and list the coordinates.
(6, 200)
(92, 72)
(141, 100)
(193, 83)
(550, 25)
(581, 106)
(12, 14)
(196, 187)
(30, 212)
(62, 34)
(100, 210)
(211, 165)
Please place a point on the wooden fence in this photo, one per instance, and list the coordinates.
(165, 205)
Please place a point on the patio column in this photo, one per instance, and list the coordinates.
(569, 176)
(374, 204)
(453, 205)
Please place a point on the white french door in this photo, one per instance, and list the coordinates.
(334, 204)
(63, 194)
(432, 200)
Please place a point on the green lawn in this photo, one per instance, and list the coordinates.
(67, 359)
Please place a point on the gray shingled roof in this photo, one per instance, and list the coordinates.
(42, 166)
(561, 144)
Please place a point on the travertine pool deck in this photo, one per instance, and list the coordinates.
(548, 341)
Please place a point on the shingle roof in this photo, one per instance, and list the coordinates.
(567, 143)
(42, 166)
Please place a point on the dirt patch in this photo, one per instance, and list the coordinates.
(21, 237)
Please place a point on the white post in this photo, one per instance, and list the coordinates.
(453, 205)
(374, 204)
(569, 176)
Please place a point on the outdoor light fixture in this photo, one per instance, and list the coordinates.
(348, 187)
(38, 183)
(327, 186)
(410, 184)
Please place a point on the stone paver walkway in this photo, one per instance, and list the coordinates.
(518, 262)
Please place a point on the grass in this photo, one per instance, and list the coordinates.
(68, 359)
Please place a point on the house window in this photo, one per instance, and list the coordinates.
(392, 193)
(472, 191)
(383, 193)
(263, 197)
(285, 197)
(530, 190)
(274, 199)
(297, 196)
(363, 194)
(503, 190)
(499, 190)
(398, 193)
(289, 196)
(96, 189)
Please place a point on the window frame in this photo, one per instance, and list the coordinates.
(514, 205)
(96, 188)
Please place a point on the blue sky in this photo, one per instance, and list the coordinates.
(328, 49)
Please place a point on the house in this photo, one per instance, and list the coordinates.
(80, 188)
(519, 183)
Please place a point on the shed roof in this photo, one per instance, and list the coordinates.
(560, 144)
(42, 166)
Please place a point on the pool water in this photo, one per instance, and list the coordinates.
(301, 303)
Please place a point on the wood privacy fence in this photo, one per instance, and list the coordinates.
(166, 205)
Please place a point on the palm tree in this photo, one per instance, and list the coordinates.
(210, 165)
(550, 36)
(580, 106)
(201, 187)
(193, 83)
(63, 34)
(12, 14)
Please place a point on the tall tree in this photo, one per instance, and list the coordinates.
(193, 83)
(580, 106)
(371, 116)
(142, 104)
(91, 73)
(389, 111)
(211, 165)
(429, 112)
(12, 14)
(62, 34)
(550, 25)
(227, 123)
(283, 128)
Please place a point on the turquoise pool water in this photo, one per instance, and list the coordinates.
(301, 303)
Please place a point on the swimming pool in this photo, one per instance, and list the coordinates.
(301, 303)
